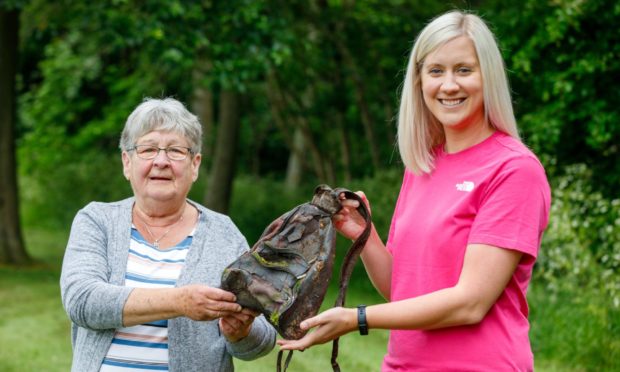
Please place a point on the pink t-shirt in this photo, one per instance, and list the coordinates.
(494, 193)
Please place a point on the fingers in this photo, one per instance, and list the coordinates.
(306, 341)
(219, 299)
(238, 325)
(245, 316)
(348, 221)
(202, 302)
(311, 322)
(230, 324)
(353, 204)
(301, 344)
(328, 325)
(251, 312)
(348, 203)
(219, 294)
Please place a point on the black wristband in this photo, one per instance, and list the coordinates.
(361, 320)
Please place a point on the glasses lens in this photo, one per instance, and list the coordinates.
(177, 153)
(146, 152)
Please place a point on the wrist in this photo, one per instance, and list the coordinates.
(179, 301)
(362, 322)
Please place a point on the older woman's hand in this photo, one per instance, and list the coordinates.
(202, 302)
(238, 325)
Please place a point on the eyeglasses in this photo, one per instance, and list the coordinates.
(148, 152)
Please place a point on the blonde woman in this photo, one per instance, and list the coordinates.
(468, 222)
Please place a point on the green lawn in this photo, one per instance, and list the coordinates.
(34, 330)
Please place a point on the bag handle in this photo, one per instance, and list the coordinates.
(346, 270)
(348, 264)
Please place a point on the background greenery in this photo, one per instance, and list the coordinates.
(328, 72)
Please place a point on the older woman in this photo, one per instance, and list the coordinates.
(139, 276)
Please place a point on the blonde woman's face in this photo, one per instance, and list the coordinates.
(452, 85)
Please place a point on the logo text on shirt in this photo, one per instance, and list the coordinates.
(467, 186)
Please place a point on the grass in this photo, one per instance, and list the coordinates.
(34, 330)
(581, 329)
(355, 353)
(569, 333)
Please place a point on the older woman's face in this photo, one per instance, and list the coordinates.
(161, 179)
(452, 85)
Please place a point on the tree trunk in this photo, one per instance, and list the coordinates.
(345, 147)
(202, 106)
(11, 242)
(294, 169)
(278, 105)
(219, 187)
(362, 104)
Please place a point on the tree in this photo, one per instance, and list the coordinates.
(224, 163)
(11, 243)
(566, 104)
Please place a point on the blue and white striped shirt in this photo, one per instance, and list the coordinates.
(144, 347)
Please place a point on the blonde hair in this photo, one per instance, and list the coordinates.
(418, 131)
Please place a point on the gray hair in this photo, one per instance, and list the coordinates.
(168, 115)
(418, 131)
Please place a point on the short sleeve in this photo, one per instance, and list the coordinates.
(514, 209)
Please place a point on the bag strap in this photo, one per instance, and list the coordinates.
(349, 261)
(288, 360)
(348, 264)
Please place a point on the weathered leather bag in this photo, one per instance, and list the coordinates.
(286, 273)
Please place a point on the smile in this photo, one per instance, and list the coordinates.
(452, 102)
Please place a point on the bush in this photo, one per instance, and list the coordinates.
(51, 198)
(576, 286)
(581, 247)
(257, 202)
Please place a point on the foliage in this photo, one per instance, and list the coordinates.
(53, 201)
(12, 4)
(576, 275)
(581, 247)
(565, 105)
(94, 63)
(336, 67)
(257, 202)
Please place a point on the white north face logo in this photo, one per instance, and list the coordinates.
(465, 186)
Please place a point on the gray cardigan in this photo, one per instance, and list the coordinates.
(91, 283)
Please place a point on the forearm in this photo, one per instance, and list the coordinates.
(149, 304)
(378, 263)
(486, 272)
(444, 308)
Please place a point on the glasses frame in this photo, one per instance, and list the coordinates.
(166, 150)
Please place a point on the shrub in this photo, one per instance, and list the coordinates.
(581, 247)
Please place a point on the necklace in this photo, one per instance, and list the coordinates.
(156, 241)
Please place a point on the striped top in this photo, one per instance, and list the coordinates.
(144, 347)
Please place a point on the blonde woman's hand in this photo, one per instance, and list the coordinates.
(348, 221)
(328, 325)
